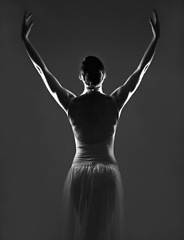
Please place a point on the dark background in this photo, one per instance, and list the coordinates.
(37, 145)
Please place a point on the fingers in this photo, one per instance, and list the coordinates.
(155, 15)
(26, 18)
(31, 24)
(25, 14)
(152, 22)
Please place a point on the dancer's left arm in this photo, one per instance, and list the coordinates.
(123, 93)
(60, 94)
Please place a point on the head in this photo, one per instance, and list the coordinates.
(92, 71)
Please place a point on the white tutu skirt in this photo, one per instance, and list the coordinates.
(93, 203)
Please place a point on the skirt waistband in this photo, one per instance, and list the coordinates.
(93, 163)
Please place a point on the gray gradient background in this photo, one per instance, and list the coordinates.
(36, 140)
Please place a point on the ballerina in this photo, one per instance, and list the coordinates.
(93, 196)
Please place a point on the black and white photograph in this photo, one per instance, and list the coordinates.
(91, 120)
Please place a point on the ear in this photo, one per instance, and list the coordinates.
(103, 75)
(81, 76)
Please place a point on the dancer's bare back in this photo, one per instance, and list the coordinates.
(93, 116)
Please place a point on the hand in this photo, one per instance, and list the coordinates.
(26, 26)
(155, 25)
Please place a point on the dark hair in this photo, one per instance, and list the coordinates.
(93, 67)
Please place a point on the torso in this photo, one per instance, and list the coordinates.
(93, 117)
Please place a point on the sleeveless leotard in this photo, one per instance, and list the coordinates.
(94, 119)
(92, 203)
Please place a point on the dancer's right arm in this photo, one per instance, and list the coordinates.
(124, 92)
(62, 95)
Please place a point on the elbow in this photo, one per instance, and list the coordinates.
(142, 70)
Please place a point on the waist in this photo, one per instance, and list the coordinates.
(100, 152)
(83, 156)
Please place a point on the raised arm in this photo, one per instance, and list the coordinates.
(123, 93)
(59, 93)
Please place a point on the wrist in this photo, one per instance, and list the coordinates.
(155, 38)
(25, 39)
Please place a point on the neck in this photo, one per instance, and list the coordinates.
(88, 89)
